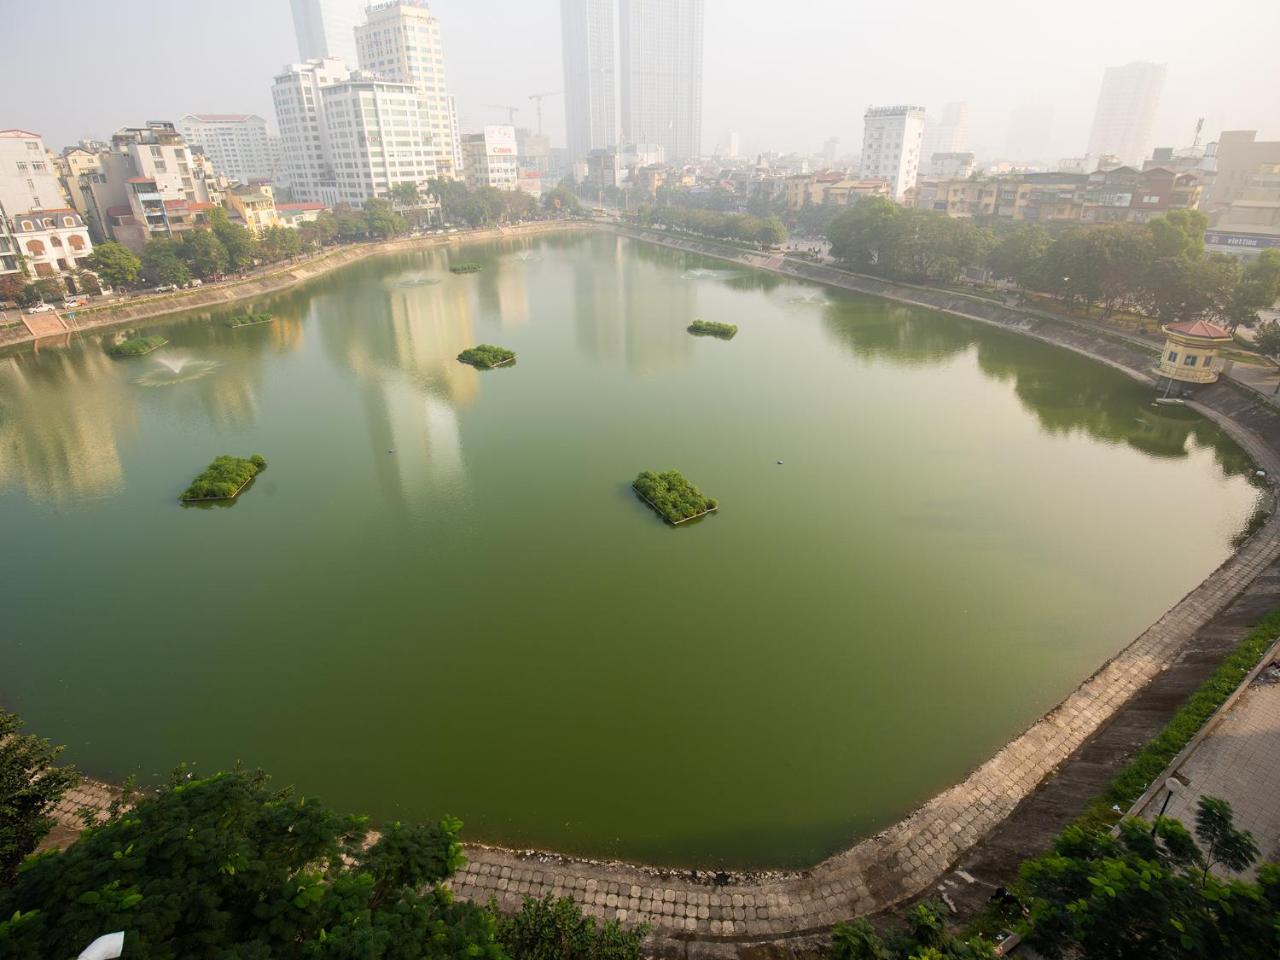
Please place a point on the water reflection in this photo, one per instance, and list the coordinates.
(59, 419)
(1067, 394)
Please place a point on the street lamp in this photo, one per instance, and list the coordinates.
(1172, 785)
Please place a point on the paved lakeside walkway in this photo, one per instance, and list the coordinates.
(702, 914)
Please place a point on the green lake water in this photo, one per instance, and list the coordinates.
(442, 596)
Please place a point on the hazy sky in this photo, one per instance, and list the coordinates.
(786, 75)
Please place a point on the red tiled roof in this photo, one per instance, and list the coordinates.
(15, 132)
(1199, 328)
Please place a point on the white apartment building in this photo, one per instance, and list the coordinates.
(401, 42)
(326, 28)
(377, 137)
(28, 179)
(590, 75)
(237, 143)
(1126, 111)
(891, 141)
(51, 241)
(490, 158)
(304, 135)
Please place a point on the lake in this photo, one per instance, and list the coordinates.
(443, 597)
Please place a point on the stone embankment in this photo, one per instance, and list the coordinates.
(708, 914)
(273, 279)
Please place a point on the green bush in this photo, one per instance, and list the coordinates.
(674, 497)
(223, 478)
(486, 356)
(249, 319)
(709, 328)
(468, 267)
(135, 347)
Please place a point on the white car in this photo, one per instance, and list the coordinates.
(195, 282)
(41, 308)
(165, 288)
(72, 302)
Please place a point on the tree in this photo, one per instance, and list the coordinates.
(405, 194)
(380, 219)
(236, 239)
(86, 282)
(1179, 234)
(925, 938)
(319, 231)
(278, 243)
(860, 234)
(1267, 338)
(1018, 255)
(1182, 289)
(1257, 289)
(1150, 892)
(11, 285)
(550, 929)
(118, 266)
(162, 264)
(30, 786)
(562, 200)
(203, 253)
(349, 224)
(229, 867)
(39, 291)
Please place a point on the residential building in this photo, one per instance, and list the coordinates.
(149, 213)
(891, 140)
(530, 182)
(1252, 223)
(588, 37)
(490, 158)
(326, 28)
(951, 166)
(304, 134)
(51, 241)
(255, 207)
(28, 179)
(237, 143)
(844, 193)
(1240, 155)
(296, 214)
(9, 262)
(1127, 195)
(1126, 111)
(376, 136)
(401, 42)
(660, 74)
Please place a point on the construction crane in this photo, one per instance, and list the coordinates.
(511, 111)
(539, 97)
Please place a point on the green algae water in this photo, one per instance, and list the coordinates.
(442, 595)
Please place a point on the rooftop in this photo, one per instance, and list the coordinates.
(1199, 328)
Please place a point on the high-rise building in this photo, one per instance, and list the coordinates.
(660, 73)
(1240, 156)
(304, 133)
(49, 236)
(376, 129)
(490, 158)
(1126, 111)
(891, 141)
(590, 75)
(326, 28)
(237, 143)
(953, 129)
(401, 42)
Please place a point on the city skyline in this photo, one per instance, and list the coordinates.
(503, 58)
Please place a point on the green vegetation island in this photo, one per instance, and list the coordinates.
(709, 328)
(224, 478)
(136, 347)
(487, 356)
(249, 319)
(469, 267)
(674, 497)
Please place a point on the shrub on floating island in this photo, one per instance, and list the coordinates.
(136, 347)
(224, 478)
(709, 328)
(487, 356)
(249, 319)
(469, 267)
(674, 497)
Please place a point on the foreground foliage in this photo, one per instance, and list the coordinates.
(230, 868)
(674, 497)
(135, 347)
(30, 786)
(224, 477)
(550, 929)
(249, 319)
(710, 328)
(468, 267)
(486, 356)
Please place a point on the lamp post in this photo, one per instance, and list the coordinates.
(1172, 785)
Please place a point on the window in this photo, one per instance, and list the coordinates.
(1173, 356)
(1190, 361)
(22, 166)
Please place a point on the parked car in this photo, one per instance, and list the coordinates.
(41, 308)
(72, 302)
(165, 288)
(196, 282)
